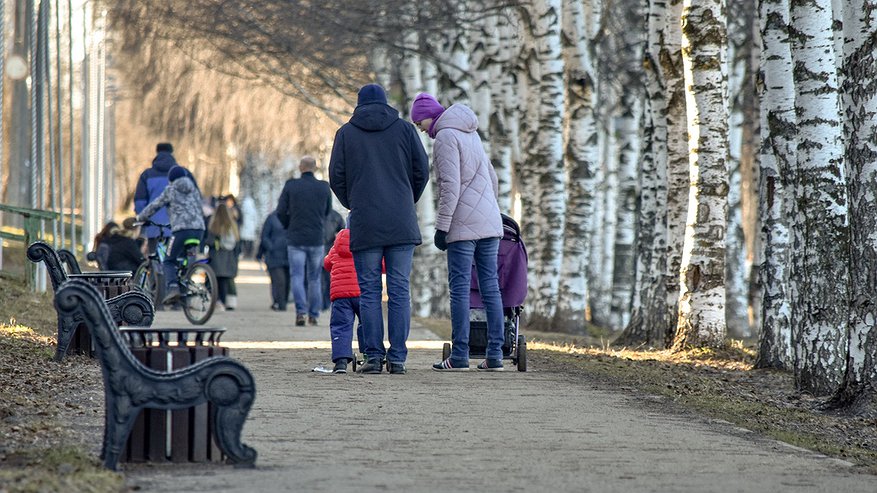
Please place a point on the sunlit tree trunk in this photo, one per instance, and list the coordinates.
(821, 234)
(580, 159)
(501, 80)
(605, 240)
(702, 276)
(628, 156)
(859, 389)
(542, 174)
(670, 58)
(648, 323)
(736, 272)
(775, 186)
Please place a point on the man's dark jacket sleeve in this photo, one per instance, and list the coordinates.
(420, 165)
(337, 171)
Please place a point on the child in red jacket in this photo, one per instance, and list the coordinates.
(344, 293)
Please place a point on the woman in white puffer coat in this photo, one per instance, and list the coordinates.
(468, 223)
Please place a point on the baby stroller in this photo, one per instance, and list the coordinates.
(512, 271)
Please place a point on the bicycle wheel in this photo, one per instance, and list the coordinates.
(146, 280)
(199, 293)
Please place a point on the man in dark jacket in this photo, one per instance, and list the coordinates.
(304, 204)
(379, 169)
(152, 182)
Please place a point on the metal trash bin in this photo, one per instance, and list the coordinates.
(109, 284)
(183, 435)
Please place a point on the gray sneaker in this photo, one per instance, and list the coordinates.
(340, 366)
(396, 368)
(490, 365)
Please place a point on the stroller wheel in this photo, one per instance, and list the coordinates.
(355, 363)
(522, 353)
(446, 351)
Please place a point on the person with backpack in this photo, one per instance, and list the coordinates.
(272, 249)
(150, 185)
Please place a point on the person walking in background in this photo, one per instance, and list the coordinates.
(302, 209)
(468, 223)
(183, 201)
(150, 185)
(124, 252)
(272, 248)
(334, 224)
(379, 169)
(248, 226)
(223, 239)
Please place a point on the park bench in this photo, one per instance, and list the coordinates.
(68, 259)
(126, 307)
(130, 386)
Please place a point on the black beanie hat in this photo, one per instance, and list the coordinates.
(177, 172)
(371, 93)
(164, 147)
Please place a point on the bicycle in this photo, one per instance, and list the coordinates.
(198, 285)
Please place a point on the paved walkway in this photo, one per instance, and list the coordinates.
(429, 431)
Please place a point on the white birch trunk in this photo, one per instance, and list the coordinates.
(427, 263)
(702, 275)
(501, 80)
(736, 272)
(859, 388)
(670, 58)
(648, 324)
(543, 179)
(820, 276)
(625, 227)
(603, 306)
(776, 199)
(580, 157)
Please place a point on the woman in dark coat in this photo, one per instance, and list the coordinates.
(224, 241)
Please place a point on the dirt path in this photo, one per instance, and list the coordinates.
(429, 431)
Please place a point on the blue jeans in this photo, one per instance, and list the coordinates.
(397, 259)
(306, 260)
(177, 250)
(345, 311)
(461, 254)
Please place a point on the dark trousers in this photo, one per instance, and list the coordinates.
(345, 312)
(224, 285)
(279, 285)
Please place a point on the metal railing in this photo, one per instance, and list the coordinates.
(34, 225)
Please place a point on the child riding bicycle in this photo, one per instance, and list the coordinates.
(183, 200)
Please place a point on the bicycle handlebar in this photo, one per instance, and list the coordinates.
(133, 222)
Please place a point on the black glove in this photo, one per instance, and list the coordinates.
(440, 240)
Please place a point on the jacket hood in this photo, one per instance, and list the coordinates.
(458, 117)
(184, 185)
(342, 244)
(163, 162)
(374, 117)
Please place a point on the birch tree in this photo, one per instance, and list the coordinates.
(623, 261)
(542, 176)
(859, 388)
(579, 161)
(648, 322)
(670, 58)
(778, 162)
(702, 294)
(740, 19)
(820, 261)
(499, 48)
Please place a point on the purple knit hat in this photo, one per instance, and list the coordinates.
(425, 106)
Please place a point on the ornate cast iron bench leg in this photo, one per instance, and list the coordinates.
(129, 386)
